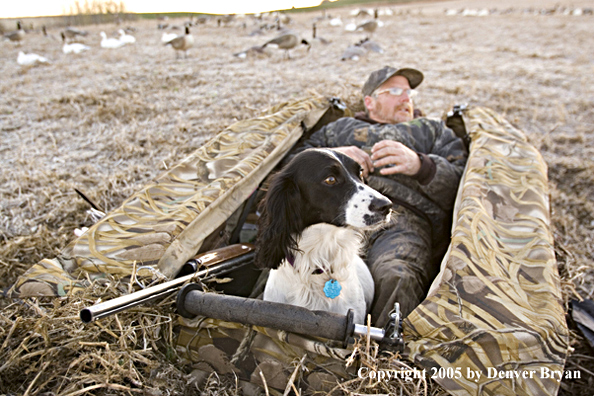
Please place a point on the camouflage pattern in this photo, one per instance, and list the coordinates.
(225, 347)
(163, 225)
(496, 304)
(404, 257)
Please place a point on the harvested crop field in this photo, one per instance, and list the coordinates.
(108, 121)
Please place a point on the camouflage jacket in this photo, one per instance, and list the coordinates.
(434, 197)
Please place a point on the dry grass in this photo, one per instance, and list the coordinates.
(108, 121)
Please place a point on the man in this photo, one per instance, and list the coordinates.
(417, 163)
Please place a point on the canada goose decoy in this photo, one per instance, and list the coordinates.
(71, 32)
(30, 59)
(46, 34)
(182, 43)
(360, 12)
(126, 38)
(284, 18)
(287, 42)
(202, 19)
(255, 51)
(316, 38)
(16, 35)
(74, 48)
(369, 26)
(353, 52)
(110, 42)
(370, 46)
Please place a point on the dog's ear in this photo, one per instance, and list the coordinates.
(280, 222)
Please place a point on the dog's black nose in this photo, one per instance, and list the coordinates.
(380, 205)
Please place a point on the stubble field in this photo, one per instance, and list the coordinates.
(109, 120)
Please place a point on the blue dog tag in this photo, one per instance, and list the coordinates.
(332, 288)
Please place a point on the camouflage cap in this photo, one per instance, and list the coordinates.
(382, 75)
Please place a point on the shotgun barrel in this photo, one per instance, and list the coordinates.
(208, 265)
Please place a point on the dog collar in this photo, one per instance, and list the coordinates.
(332, 288)
(290, 259)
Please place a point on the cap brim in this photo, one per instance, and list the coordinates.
(414, 77)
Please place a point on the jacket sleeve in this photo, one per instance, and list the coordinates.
(449, 155)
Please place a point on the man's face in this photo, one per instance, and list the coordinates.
(387, 108)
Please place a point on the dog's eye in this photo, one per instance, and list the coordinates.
(361, 173)
(318, 271)
(330, 180)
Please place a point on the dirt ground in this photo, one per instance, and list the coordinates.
(109, 120)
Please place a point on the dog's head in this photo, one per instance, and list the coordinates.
(317, 186)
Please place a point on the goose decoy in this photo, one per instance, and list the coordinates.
(287, 41)
(71, 32)
(370, 46)
(16, 35)
(353, 52)
(360, 12)
(74, 48)
(255, 51)
(30, 59)
(369, 26)
(284, 18)
(316, 38)
(126, 38)
(46, 34)
(110, 42)
(350, 27)
(182, 43)
(202, 19)
(336, 22)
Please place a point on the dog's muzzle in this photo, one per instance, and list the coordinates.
(367, 208)
(379, 209)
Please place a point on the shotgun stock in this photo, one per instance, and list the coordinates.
(206, 266)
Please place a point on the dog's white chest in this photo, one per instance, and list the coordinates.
(327, 274)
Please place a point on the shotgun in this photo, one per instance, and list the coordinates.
(193, 301)
(202, 267)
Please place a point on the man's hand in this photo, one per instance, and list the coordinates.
(358, 155)
(403, 159)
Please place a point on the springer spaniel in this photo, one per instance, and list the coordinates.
(310, 233)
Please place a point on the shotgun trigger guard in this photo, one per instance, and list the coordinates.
(393, 329)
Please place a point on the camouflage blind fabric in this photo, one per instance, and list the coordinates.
(496, 307)
(226, 347)
(164, 224)
(496, 304)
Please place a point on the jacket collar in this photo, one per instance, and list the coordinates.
(364, 117)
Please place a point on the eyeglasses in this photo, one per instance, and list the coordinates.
(398, 91)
